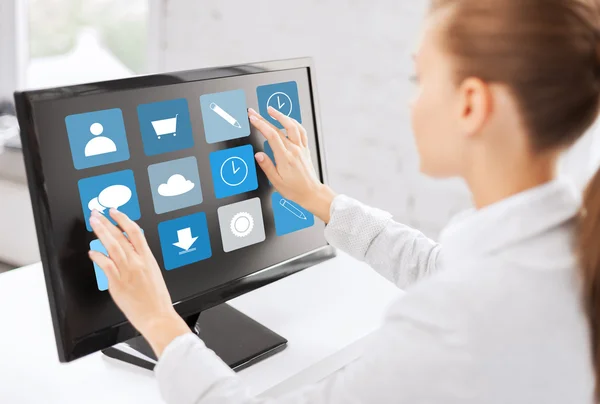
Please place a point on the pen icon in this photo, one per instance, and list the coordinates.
(225, 115)
(292, 209)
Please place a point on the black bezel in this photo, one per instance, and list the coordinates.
(69, 350)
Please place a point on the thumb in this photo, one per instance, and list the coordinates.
(268, 167)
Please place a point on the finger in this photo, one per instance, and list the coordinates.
(133, 231)
(107, 265)
(268, 167)
(272, 136)
(252, 112)
(303, 134)
(114, 248)
(281, 133)
(289, 125)
(115, 231)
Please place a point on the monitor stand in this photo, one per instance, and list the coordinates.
(236, 338)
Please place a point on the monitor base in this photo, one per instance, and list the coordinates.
(236, 338)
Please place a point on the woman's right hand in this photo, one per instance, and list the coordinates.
(293, 174)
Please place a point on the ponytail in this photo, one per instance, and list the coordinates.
(588, 248)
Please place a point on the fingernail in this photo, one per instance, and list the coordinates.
(260, 157)
(113, 211)
(252, 111)
(271, 109)
(95, 213)
(94, 221)
(253, 118)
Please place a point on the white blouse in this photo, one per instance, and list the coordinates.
(495, 318)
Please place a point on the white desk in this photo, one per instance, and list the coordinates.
(326, 312)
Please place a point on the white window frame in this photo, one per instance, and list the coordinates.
(14, 44)
(13, 55)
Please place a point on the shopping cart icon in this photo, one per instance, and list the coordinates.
(165, 127)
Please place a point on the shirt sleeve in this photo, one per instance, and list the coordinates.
(398, 252)
(408, 360)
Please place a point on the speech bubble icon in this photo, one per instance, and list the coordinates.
(114, 196)
(94, 204)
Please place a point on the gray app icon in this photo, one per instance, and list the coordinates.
(241, 224)
(175, 184)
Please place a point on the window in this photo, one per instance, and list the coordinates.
(76, 41)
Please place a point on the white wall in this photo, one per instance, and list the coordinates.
(362, 53)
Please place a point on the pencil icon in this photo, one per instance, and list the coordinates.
(225, 115)
(292, 209)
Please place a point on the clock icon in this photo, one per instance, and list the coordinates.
(234, 171)
(281, 102)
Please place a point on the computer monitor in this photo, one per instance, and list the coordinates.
(175, 152)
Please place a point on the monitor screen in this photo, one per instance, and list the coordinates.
(176, 154)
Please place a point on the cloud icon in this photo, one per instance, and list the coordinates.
(114, 196)
(176, 185)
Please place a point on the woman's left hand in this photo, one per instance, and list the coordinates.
(135, 281)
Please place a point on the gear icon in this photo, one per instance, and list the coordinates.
(241, 224)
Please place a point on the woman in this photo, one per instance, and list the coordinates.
(506, 313)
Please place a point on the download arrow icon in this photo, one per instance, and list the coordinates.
(185, 240)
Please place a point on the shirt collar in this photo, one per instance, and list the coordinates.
(476, 233)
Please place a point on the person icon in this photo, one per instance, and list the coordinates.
(99, 144)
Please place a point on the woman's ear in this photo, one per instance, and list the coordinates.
(474, 105)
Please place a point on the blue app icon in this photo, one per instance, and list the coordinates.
(184, 240)
(269, 152)
(175, 184)
(101, 279)
(115, 190)
(225, 116)
(97, 138)
(233, 171)
(165, 126)
(289, 216)
(281, 96)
